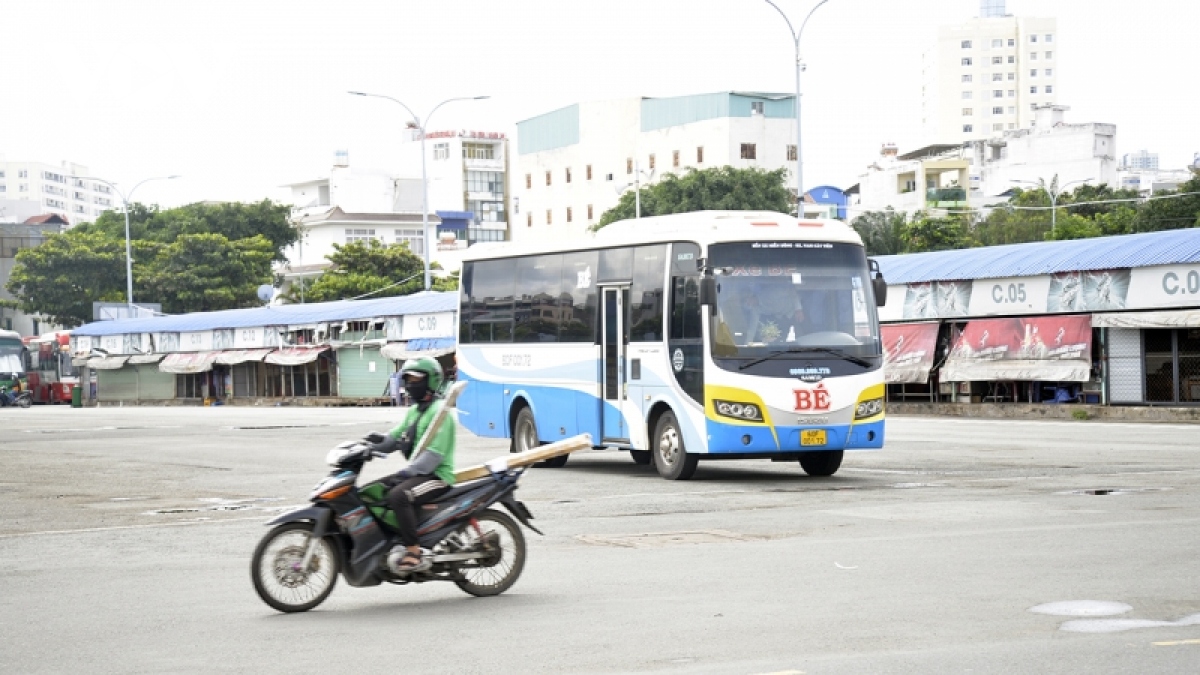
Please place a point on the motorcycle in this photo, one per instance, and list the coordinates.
(20, 400)
(350, 530)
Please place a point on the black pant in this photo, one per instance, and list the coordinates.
(407, 496)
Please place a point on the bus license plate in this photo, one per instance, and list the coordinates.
(812, 437)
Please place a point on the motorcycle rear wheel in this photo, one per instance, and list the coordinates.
(497, 573)
(275, 569)
(24, 401)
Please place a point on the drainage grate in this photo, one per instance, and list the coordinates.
(661, 539)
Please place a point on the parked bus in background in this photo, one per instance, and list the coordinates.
(51, 374)
(12, 359)
(714, 335)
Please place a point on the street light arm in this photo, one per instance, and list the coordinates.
(451, 100)
(805, 23)
(397, 101)
(795, 35)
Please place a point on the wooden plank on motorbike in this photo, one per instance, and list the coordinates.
(448, 401)
(529, 457)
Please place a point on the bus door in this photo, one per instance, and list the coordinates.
(614, 342)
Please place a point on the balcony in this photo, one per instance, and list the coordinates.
(951, 197)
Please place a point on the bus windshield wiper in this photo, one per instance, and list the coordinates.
(803, 350)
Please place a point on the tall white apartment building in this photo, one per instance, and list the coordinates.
(987, 76)
(573, 163)
(62, 189)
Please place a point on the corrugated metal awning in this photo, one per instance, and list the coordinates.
(1179, 318)
(188, 363)
(295, 356)
(232, 357)
(399, 351)
(142, 359)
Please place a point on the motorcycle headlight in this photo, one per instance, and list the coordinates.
(343, 450)
(869, 408)
(747, 412)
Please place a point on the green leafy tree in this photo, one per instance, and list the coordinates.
(63, 276)
(882, 232)
(1172, 213)
(721, 188)
(926, 233)
(1012, 224)
(367, 267)
(230, 219)
(205, 272)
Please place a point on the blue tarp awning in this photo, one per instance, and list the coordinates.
(430, 344)
(455, 220)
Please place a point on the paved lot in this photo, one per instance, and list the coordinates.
(125, 536)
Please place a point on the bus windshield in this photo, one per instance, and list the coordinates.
(802, 297)
(11, 360)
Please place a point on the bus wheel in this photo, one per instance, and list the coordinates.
(640, 457)
(823, 463)
(525, 437)
(670, 457)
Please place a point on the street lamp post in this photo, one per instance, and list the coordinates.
(1054, 191)
(636, 184)
(125, 197)
(424, 177)
(799, 68)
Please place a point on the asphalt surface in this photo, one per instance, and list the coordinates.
(126, 534)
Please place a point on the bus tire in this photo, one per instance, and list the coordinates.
(640, 457)
(821, 463)
(525, 437)
(670, 456)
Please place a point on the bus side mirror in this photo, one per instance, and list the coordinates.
(880, 287)
(708, 293)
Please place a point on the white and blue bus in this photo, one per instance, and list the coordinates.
(715, 335)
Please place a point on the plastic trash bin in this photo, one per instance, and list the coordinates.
(76, 397)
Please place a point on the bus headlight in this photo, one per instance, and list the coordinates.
(741, 411)
(869, 408)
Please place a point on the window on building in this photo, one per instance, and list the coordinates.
(590, 212)
(700, 155)
(1049, 37)
(479, 151)
(484, 181)
(1033, 106)
(549, 217)
(589, 172)
(1012, 125)
(567, 175)
(412, 237)
(967, 112)
(359, 234)
(568, 214)
(966, 44)
(756, 107)
(749, 151)
(967, 128)
(1049, 89)
(967, 94)
(1033, 73)
(997, 60)
(1012, 42)
(1049, 72)
(1012, 110)
(1033, 90)
(651, 160)
(966, 61)
(997, 42)
(1033, 38)
(628, 165)
(528, 181)
(997, 93)
(1012, 76)
(791, 153)
(441, 150)
(999, 126)
(1012, 93)
(22, 173)
(3, 188)
(1033, 56)
(675, 159)
(529, 220)
(1012, 59)
(1049, 55)
(998, 110)
(997, 77)
(547, 178)
(966, 78)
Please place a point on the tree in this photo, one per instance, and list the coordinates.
(721, 189)
(1011, 224)
(925, 233)
(370, 266)
(63, 276)
(205, 272)
(882, 232)
(1172, 213)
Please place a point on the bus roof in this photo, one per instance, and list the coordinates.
(703, 227)
(10, 334)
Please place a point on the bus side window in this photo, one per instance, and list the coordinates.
(685, 308)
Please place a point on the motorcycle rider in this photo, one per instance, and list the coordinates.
(10, 398)
(430, 473)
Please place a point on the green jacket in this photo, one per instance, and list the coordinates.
(442, 444)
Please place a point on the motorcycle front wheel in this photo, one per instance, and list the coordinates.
(275, 569)
(499, 537)
(24, 401)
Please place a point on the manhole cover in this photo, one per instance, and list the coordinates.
(660, 539)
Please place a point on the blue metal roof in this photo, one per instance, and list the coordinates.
(1045, 257)
(280, 315)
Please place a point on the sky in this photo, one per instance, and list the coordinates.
(239, 97)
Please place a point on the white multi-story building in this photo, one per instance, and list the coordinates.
(1140, 160)
(974, 174)
(988, 75)
(64, 189)
(573, 163)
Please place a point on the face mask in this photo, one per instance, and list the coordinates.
(417, 389)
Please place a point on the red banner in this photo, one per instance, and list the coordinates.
(908, 350)
(1025, 348)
